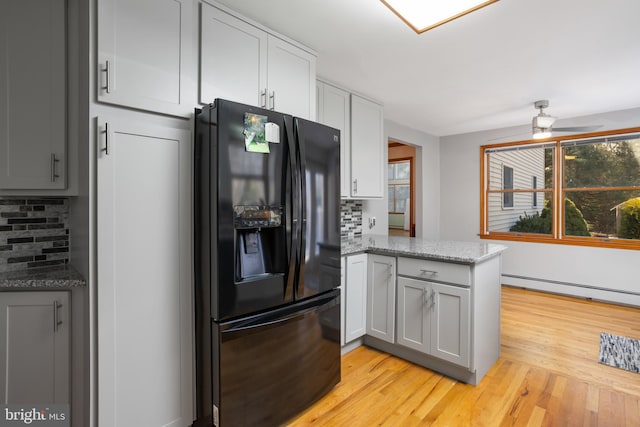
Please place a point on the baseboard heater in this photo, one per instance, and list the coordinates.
(573, 289)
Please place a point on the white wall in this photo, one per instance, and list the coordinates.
(575, 270)
(427, 184)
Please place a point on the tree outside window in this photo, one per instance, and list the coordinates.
(591, 190)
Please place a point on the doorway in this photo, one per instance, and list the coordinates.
(401, 178)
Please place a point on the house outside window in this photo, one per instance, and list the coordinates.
(507, 184)
(581, 189)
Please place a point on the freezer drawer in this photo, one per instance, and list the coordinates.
(274, 365)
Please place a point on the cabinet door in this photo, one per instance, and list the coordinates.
(233, 59)
(144, 54)
(334, 109)
(356, 297)
(291, 79)
(381, 302)
(32, 95)
(367, 149)
(144, 276)
(450, 323)
(34, 347)
(414, 322)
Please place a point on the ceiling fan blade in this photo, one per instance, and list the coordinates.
(576, 128)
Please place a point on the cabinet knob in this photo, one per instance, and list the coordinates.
(263, 98)
(54, 161)
(429, 272)
(56, 316)
(107, 71)
(272, 100)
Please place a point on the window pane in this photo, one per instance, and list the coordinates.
(402, 194)
(526, 163)
(507, 184)
(391, 190)
(403, 170)
(524, 219)
(390, 171)
(602, 164)
(612, 214)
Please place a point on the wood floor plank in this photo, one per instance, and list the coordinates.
(547, 375)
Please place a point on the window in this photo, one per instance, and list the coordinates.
(507, 184)
(583, 190)
(399, 185)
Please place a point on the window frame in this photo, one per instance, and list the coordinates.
(558, 190)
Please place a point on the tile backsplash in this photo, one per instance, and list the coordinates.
(350, 218)
(34, 232)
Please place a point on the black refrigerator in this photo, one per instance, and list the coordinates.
(267, 264)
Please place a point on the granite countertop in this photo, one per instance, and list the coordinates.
(42, 278)
(438, 250)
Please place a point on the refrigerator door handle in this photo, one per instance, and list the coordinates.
(281, 316)
(302, 167)
(293, 245)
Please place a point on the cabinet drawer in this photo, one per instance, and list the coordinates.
(435, 270)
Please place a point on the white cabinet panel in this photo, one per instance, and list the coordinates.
(243, 63)
(291, 79)
(144, 276)
(144, 54)
(381, 301)
(233, 59)
(356, 297)
(34, 347)
(414, 330)
(32, 95)
(434, 318)
(334, 109)
(367, 149)
(450, 323)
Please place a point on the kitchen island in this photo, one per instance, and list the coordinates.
(435, 303)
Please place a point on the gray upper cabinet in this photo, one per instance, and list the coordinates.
(244, 63)
(145, 55)
(381, 301)
(233, 57)
(334, 109)
(367, 149)
(32, 95)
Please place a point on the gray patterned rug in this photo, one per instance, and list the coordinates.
(620, 352)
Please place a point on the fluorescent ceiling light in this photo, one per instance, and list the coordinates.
(423, 15)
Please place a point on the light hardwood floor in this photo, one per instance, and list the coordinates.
(548, 375)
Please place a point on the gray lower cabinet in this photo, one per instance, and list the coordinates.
(433, 318)
(381, 292)
(355, 297)
(34, 347)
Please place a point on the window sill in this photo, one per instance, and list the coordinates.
(572, 241)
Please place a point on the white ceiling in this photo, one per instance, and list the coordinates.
(481, 71)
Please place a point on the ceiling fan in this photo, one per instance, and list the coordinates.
(542, 124)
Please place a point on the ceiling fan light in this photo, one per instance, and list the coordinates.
(425, 15)
(541, 133)
(543, 121)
